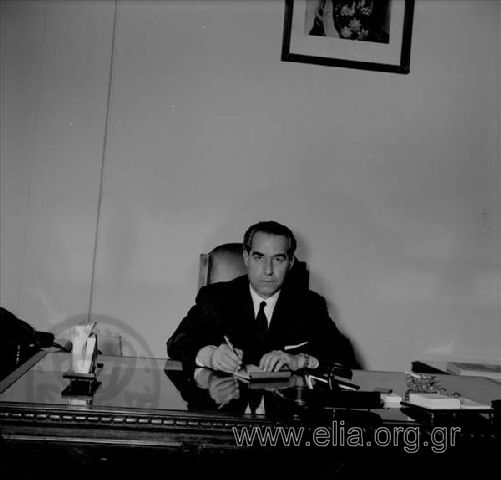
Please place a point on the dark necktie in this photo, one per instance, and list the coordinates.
(262, 322)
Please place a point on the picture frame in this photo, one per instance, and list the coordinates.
(362, 34)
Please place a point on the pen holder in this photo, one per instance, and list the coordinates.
(84, 355)
(84, 368)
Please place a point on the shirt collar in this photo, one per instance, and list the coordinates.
(270, 302)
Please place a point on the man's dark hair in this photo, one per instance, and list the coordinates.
(271, 228)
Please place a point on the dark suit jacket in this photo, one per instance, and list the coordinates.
(226, 308)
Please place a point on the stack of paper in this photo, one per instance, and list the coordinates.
(434, 401)
(475, 369)
(468, 404)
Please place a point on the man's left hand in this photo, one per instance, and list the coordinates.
(273, 361)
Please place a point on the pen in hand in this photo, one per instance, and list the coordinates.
(233, 349)
(227, 340)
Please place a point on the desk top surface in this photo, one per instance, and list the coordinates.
(144, 384)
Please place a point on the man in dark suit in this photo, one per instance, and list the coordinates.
(260, 317)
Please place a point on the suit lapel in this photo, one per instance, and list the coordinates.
(242, 307)
(284, 323)
(280, 313)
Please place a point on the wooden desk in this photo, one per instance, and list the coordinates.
(144, 417)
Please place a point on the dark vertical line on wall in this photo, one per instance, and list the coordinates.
(103, 158)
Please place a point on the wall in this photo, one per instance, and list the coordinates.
(55, 61)
(392, 182)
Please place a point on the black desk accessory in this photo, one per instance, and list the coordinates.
(82, 385)
(351, 399)
(339, 370)
(421, 367)
(336, 384)
(332, 392)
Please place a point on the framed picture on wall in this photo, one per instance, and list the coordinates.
(364, 34)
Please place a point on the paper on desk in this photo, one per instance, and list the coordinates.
(436, 401)
(84, 345)
(468, 404)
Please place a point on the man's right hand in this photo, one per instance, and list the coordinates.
(226, 359)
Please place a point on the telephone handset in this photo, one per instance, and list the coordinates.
(15, 330)
(19, 341)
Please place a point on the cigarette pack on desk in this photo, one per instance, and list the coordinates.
(391, 400)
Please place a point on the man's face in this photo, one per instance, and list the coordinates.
(267, 263)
